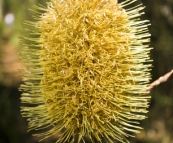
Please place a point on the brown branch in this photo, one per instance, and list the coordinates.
(160, 80)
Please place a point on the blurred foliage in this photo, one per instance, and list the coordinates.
(158, 127)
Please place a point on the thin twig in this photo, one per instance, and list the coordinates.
(160, 80)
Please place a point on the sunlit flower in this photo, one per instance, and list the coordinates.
(86, 70)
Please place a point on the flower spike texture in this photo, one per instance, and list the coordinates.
(87, 67)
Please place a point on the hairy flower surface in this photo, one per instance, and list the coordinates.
(86, 70)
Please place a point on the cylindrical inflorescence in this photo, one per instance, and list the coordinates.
(87, 70)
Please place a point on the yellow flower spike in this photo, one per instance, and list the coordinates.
(86, 70)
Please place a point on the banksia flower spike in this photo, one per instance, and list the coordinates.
(86, 70)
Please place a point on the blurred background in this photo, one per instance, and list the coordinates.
(158, 127)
